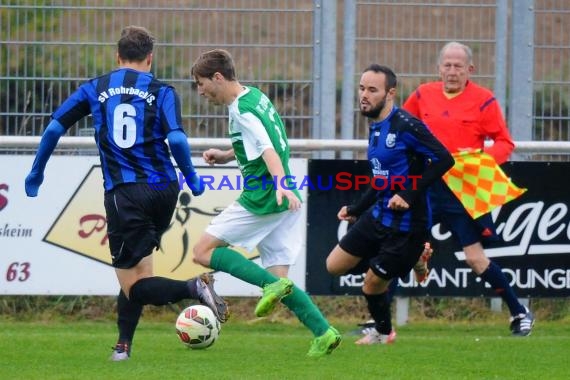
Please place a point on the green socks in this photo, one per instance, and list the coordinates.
(308, 313)
(227, 260)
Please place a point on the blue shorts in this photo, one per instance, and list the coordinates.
(449, 211)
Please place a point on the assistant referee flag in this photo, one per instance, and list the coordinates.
(479, 183)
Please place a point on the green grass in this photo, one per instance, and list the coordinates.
(264, 350)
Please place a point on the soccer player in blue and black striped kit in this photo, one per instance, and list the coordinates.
(393, 215)
(133, 116)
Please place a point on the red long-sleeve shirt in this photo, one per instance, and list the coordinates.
(464, 121)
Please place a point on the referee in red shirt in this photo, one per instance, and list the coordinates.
(462, 114)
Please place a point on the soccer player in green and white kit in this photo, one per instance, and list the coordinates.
(266, 211)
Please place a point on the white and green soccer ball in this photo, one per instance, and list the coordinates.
(197, 327)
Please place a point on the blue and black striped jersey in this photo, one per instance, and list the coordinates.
(405, 158)
(132, 115)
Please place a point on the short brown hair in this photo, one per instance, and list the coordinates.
(214, 61)
(135, 44)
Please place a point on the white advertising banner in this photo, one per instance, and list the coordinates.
(56, 243)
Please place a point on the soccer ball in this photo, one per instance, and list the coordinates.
(197, 327)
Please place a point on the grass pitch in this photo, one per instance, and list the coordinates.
(266, 350)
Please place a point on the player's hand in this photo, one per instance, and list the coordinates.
(32, 184)
(343, 215)
(195, 184)
(214, 156)
(397, 203)
(210, 156)
(294, 202)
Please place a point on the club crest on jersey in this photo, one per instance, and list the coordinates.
(390, 140)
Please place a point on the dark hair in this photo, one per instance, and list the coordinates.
(135, 44)
(214, 61)
(391, 80)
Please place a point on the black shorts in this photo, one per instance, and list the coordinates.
(449, 211)
(389, 253)
(137, 216)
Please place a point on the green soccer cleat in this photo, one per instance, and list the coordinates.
(272, 294)
(325, 344)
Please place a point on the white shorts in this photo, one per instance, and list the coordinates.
(276, 236)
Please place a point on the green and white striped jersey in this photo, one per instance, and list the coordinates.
(255, 125)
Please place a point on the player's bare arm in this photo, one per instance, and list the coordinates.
(275, 167)
(217, 156)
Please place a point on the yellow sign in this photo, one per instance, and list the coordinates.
(82, 228)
